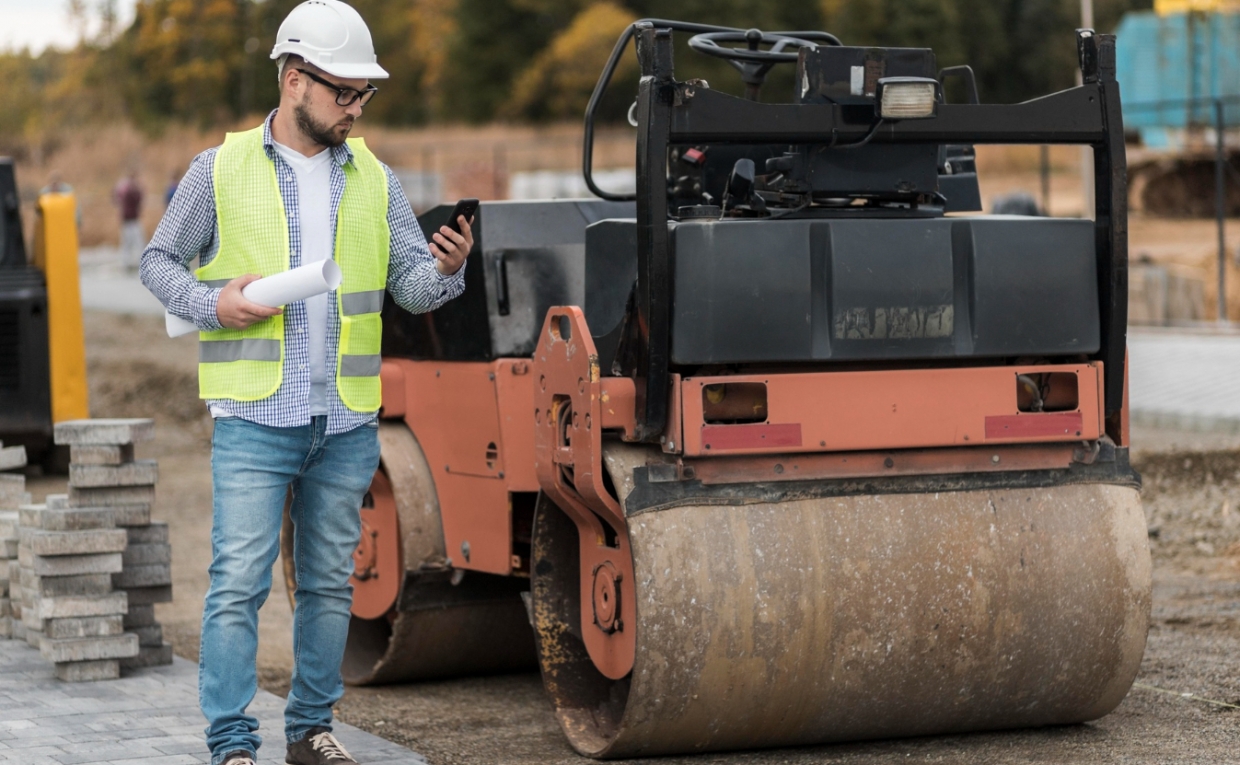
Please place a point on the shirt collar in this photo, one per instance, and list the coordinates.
(341, 154)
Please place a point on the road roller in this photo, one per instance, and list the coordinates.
(792, 445)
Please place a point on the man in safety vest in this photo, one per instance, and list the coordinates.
(294, 392)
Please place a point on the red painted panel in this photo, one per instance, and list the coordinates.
(1032, 425)
(755, 436)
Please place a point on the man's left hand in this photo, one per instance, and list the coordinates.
(451, 248)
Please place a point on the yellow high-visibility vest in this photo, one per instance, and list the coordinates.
(248, 364)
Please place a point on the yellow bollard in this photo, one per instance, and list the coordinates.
(56, 253)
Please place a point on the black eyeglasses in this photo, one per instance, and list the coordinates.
(344, 96)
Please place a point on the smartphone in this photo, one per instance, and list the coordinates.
(466, 207)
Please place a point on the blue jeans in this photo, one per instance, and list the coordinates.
(252, 467)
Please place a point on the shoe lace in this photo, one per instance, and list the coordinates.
(327, 745)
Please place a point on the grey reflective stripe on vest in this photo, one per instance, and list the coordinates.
(251, 349)
(215, 283)
(360, 366)
(353, 303)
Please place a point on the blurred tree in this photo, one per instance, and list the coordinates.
(492, 42)
(209, 60)
(433, 29)
(1019, 49)
(402, 98)
(23, 79)
(183, 59)
(981, 24)
(45, 94)
(911, 23)
(206, 61)
(107, 21)
(558, 83)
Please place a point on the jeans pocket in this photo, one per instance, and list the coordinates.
(373, 424)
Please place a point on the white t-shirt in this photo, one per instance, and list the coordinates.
(314, 209)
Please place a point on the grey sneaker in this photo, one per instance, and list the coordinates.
(239, 757)
(319, 747)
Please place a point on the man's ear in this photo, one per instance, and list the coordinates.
(290, 70)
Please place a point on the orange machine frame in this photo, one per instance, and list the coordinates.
(474, 421)
(476, 424)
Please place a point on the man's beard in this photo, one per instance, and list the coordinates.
(323, 135)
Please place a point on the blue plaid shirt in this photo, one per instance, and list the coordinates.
(190, 229)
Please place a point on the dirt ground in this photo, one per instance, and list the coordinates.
(1184, 708)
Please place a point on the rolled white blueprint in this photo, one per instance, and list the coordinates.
(276, 290)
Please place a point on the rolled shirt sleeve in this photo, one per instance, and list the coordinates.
(187, 231)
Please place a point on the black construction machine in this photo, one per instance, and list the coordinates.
(775, 451)
(25, 381)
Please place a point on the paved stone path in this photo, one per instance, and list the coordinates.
(1184, 380)
(148, 718)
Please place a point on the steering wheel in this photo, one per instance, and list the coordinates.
(751, 61)
(709, 43)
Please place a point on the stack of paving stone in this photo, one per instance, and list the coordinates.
(8, 532)
(69, 609)
(13, 495)
(104, 476)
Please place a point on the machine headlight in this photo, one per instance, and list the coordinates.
(906, 98)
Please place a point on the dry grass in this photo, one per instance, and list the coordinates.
(93, 160)
(474, 161)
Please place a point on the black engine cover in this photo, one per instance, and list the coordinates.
(859, 290)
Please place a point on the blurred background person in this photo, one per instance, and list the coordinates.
(128, 198)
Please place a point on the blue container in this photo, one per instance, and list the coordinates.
(1169, 68)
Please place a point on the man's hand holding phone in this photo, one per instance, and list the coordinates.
(452, 243)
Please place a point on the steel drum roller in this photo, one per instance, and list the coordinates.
(861, 617)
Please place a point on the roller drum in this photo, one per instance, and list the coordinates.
(849, 618)
(437, 643)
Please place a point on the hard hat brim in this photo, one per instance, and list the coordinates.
(355, 71)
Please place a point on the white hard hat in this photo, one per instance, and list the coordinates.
(332, 36)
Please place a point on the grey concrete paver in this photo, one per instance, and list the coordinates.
(149, 717)
(35, 742)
